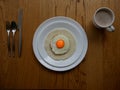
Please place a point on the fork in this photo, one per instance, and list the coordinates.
(13, 28)
(8, 27)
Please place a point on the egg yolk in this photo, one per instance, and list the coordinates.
(60, 43)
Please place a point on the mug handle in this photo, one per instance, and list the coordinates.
(111, 28)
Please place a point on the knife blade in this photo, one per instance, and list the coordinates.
(20, 17)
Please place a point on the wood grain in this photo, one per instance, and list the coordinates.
(100, 69)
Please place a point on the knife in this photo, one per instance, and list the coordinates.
(20, 17)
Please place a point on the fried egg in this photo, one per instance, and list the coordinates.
(60, 44)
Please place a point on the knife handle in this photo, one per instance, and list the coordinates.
(20, 43)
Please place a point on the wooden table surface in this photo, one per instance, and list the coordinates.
(100, 69)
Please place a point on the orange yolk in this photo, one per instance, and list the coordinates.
(60, 43)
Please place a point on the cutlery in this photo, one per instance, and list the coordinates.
(13, 28)
(8, 27)
(20, 17)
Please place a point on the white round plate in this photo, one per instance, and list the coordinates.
(48, 26)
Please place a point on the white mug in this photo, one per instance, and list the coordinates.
(103, 18)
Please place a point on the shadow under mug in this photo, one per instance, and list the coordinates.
(103, 18)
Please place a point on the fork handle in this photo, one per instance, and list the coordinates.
(9, 48)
